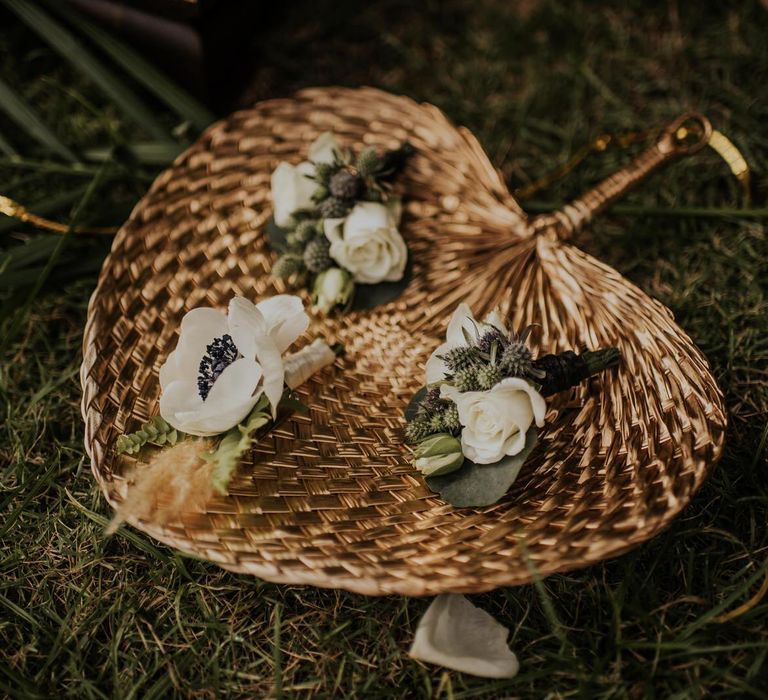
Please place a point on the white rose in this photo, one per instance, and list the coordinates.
(223, 363)
(462, 320)
(292, 187)
(367, 242)
(495, 422)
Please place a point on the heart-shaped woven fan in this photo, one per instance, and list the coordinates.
(330, 498)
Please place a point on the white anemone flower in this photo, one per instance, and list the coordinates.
(223, 363)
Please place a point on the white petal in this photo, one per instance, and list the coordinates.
(323, 148)
(272, 367)
(538, 404)
(366, 217)
(333, 229)
(246, 323)
(204, 320)
(235, 384)
(399, 256)
(198, 423)
(436, 369)
(455, 634)
(462, 318)
(198, 328)
(291, 190)
(177, 398)
(395, 207)
(170, 370)
(496, 320)
(285, 318)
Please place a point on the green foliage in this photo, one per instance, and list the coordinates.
(478, 485)
(236, 442)
(156, 431)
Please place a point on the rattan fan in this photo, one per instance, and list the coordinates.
(329, 498)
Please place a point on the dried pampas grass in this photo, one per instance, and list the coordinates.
(176, 480)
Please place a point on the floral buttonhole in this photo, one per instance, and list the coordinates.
(229, 381)
(335, 226)
(474, 424)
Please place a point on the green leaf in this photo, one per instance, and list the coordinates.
(56, 253)
(71, 48)
(147, 153)
(413, 405)
(6, 147)
(156, 431)
(18, 110)
(234, 444)
(477, 485)
(178, 99)
(276, 236)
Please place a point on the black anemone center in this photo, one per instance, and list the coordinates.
(219, 355)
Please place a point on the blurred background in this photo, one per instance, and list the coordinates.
(98, 96)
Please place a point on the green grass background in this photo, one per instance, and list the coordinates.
(87, 617)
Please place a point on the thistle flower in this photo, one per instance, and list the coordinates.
(334, 208)
(516, 360)
(491, 336)
(368, 162)
(451, 417)
(462, 357)
(345, 185)
(286, 265)
(316, 255)
(305, 231)
(417, 430)
(436, 423)
(488, 376)
(466, 380)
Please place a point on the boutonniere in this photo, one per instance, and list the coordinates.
(228, 382)
(476, 421)
(336, 225)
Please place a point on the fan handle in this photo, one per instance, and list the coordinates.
(688, 134)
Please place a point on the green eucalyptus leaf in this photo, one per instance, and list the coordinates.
(156, 431)
(233, 445)
(276, 236)
(413, 405)
(477, 485)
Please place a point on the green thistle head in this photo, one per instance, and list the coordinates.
(317, 256)
(286, 265)
(516, 360)
(461, 358)
(488, 376)
(466, 379)
(417, 430)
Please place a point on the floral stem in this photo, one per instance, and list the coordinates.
(569, 369)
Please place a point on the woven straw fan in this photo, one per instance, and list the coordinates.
(329, 498)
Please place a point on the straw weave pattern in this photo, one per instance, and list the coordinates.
(329, 498)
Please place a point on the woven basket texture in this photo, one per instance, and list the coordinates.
(329, 498)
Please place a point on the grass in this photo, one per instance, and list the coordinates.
(87, 617)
